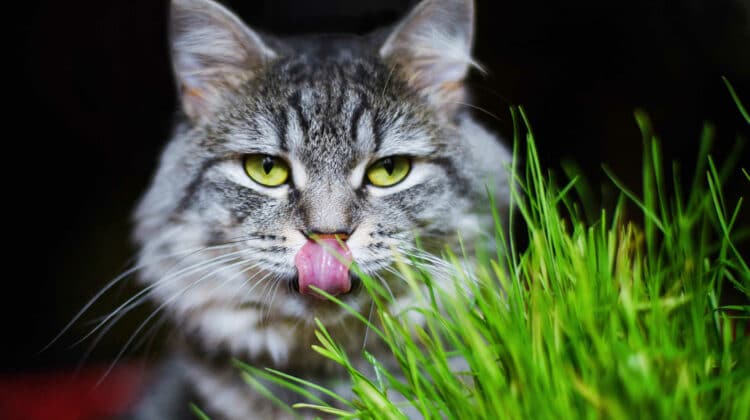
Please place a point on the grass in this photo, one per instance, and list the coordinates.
(598, 318)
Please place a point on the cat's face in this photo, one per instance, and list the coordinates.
(293, 148)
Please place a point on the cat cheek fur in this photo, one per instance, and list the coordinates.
(218, 248)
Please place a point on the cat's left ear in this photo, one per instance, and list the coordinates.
(431, 48)
(213, 51)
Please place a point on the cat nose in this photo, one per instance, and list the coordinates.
(342, 234)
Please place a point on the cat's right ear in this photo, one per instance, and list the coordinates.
(213, 51)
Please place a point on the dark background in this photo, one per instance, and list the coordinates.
(91, 101)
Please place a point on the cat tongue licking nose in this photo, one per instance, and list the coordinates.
(324, 264)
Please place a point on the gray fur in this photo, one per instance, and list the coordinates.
(329, 106)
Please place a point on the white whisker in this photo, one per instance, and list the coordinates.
(367, 327)
(153, 314)
(143, 294)
(111, 284)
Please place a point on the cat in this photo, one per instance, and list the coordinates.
(286, 149)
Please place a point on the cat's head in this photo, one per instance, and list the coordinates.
(291, 148)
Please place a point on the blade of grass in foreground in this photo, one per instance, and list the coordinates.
(736, 99)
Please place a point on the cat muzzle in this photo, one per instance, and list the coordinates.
(323, 263)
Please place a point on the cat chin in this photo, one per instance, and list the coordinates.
(253, 330)
(307, 308)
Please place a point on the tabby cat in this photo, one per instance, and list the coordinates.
(294, 159)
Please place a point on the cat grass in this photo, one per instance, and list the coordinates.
(610, 315)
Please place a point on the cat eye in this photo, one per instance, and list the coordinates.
(266, 170)
(388, 171)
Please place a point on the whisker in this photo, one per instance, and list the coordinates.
(147, 352)
(146, 321)
(257, 283)
(274, 289)
(478, 108)
(143, 294)
(107, 287)
(267, 289)
(367, 327)
(423, 255)
(249, 279)
(385, 284)
(151, 332)
(242, 271)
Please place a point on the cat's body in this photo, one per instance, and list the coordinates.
(362, 144)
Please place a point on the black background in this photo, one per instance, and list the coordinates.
(91, 100)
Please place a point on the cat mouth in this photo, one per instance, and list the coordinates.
(323, 267)
(354, 281)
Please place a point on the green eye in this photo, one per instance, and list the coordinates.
(266, 170)
(388, 171)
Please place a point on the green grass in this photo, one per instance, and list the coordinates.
(598, 318)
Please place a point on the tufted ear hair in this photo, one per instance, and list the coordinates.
(212, 51)
(431, 48)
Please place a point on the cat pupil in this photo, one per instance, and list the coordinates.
(267, 164)
(388, 165)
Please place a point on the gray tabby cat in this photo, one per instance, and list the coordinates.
(290, 148)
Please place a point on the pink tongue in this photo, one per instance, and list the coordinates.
(318, 265)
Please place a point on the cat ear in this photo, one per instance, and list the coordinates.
(212, 51)
(431, 48)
